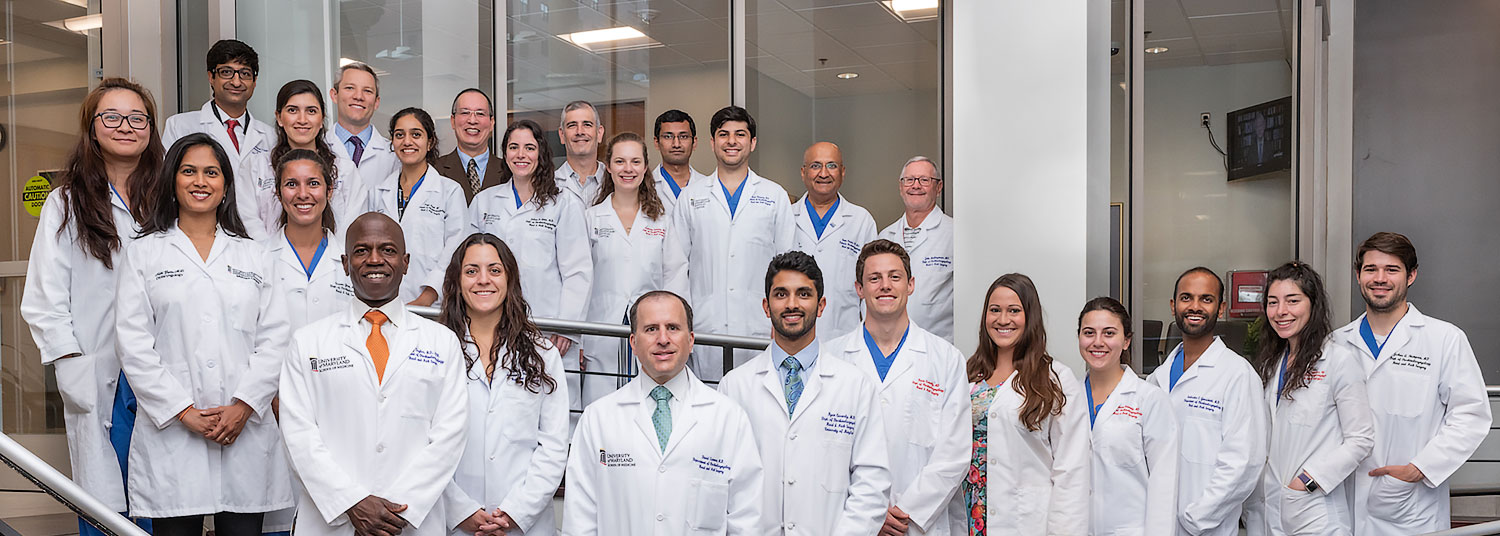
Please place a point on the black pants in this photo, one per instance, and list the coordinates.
(225, 524)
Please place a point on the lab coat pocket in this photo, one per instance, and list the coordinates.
(836, 457)
(1201, 439)
(76, 383)
(919, 417)
(1310, 403)
(1119, 444)
(1304, 512)
(537, 245)
(1399, 501)
(1411, 400)
(521, 414)
(710, 506)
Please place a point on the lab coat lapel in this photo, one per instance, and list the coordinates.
(250, 137)
(1207, 360)
(684, 426)
(354, 339)
(401, 343)
(771, 380)
(618, 225)
(1398, 337)
(812, 386)
(1128, 385)
(803, 217)
(913, 350)
(717, 191)
(285, 253)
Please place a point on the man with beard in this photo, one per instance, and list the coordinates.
(1217, 399)
(1426, 390)
(676, 137)
(813, 417)
(580, 131)
(373, 404)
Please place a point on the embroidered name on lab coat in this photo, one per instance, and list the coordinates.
(258, 149)
(1415, 362)
(937, 261)
(329, 363)
(425, 356)
(343, 288)
(850, 246)
(655, 231)
(434, 210)
(616, 459)
(1132, 412)
(711, 464)
(604, 232)
(839, 423)
(930, 387)
(242, 274)
(167, 274)
(1206, 404)
(762, 200)
(266, 183)
(1316, 375)
(542, 223)
(698, 202)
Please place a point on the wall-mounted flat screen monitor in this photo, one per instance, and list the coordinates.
(1260, 140)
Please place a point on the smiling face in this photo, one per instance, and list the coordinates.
(122, 141)
(581, 132)
(375, 258)
(234, 91)
(733, 143)
(303, 191)
(521, 153)
(1004, 318)
(627, 166)
(793, 305)
(302, 119)
(661, 337)
(356, 96)
(1287, 308)
(482, 279)
(200, 182)
(1102, 339)
(1196, 305)
(917, 197)
(473, 122)
(676, 143)
(823, 170)
(1384, 281)
(884, 285)
(411, 140)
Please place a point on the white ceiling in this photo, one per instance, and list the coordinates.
(1209, 32)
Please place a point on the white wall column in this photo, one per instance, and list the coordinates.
(1020, 175)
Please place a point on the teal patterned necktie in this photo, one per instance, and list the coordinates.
(793, 384)
(662, 417)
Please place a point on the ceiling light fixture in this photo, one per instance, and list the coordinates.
(1156, 50)
(913, 10)
(848, 76)
(79, 24)
(614, 39)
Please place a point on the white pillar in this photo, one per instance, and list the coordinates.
(1021, 169)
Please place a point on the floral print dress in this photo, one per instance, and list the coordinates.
(981, 394)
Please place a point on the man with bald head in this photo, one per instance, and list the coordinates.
(832, 230)
(373, 404)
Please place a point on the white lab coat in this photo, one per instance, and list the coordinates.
(928, 425)
(625, 266)
(69, 304)
(1037, 482)
(516, 450)
(550, 243)
(664, 192)
(328, 291)
(348, 199)
(435, 223)
(1222, 419)
(827, 470)
(836, 252)
(1431, 409)
(727, 259)
(256, 138)
(378, 160)
(350, 435)
(1134, 462)
(201, 333)
(708, 481)
(1325, 429)
(588, 192)
(931, 306)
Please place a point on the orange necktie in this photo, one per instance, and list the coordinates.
(375, 343)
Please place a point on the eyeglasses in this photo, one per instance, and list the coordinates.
(113, 120)
(466, 114)
(926, 181)
(669, 138)
(819, 166)
(226, 73)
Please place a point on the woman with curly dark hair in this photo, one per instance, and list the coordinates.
(518, 410)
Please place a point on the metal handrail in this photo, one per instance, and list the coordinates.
(1482, 529)
(63, 490)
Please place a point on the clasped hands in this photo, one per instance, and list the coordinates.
(221, 425)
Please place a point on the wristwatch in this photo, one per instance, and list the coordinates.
(1307, 481)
